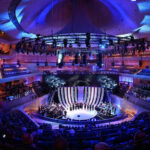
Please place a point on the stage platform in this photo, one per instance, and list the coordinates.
(81, 114)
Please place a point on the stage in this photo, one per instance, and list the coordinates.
(81, 114)
(77, 106)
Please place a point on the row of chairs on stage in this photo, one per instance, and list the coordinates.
(81, 106)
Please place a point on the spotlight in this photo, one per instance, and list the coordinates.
(143, 45)
(77, 42)
(38, 37)
(65, 42)
(118, 42)
(60, 62)
(87, 40)
(88, 35)
(76, 58)
(18, 46)
(54, 43)
(132, 40)
(111, 42)
(84, 59)
(100, 41)
(99, 60)
(102, 46)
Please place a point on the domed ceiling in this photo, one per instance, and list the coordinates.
(26, 18)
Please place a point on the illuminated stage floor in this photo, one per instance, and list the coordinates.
(81, 114)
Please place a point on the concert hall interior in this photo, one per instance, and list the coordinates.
(74, 74)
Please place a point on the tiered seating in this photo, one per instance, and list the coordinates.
(142, 93)
(144, 72)
(134, 134)
(39, 88)
(2, 52)
(9, 70)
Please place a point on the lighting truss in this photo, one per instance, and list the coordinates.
(52, 44)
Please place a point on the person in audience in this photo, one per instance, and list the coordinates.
(27, 139)
(102, 146)
(60, 144)
(72, 132)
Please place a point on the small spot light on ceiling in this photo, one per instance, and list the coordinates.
(133, 0)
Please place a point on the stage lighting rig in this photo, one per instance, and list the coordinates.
(74, 41)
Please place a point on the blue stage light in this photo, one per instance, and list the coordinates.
(41, 18)
(102, 46)
(144, 6)
(146, 20)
